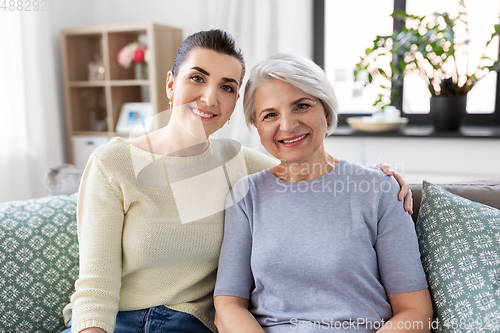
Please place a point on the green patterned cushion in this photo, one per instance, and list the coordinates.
(38, 263)
(460, 246)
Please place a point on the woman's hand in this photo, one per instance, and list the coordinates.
(93, 330)
(232, 315)
(405, 192)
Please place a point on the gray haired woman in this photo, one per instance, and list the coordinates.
(317, 243)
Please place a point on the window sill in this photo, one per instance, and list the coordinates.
(424, 131)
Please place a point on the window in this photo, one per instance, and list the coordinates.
(482, 14)
(342, 54)
(339, 23)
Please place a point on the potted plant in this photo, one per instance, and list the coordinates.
(432, 46)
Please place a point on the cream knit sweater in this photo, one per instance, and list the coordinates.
(150, 230)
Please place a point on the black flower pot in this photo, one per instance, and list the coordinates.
(448, 112)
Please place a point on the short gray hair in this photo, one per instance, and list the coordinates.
(302, 73)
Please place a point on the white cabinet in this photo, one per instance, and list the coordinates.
(83, 146)
(437, 160)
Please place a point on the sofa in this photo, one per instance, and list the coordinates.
(39, 256)
(38, 263)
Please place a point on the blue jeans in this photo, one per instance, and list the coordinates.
(158, 319)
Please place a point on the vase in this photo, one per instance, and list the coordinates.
(447, 112)
(141, 71)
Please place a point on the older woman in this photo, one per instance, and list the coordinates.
(315, 242)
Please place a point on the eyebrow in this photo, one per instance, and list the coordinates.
(300, 100)
(225, 79)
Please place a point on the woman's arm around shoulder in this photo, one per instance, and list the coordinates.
(405, 192)
(232, 315)
(412, 312)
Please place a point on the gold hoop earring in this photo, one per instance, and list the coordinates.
(227, 122)
(170, 103)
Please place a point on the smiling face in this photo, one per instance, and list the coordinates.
(205, 91)
(292, 124)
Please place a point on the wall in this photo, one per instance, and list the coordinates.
(32, 138)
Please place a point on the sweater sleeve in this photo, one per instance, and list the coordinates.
(100, 217)
(234, 275)
(257, 161)
(397, 249)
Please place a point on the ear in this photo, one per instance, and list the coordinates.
(238, 97)
(170, 85)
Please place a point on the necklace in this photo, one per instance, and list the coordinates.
(212, 153)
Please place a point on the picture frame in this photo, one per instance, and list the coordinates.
(132, 115)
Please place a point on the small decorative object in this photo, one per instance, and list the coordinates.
(433, 46)
(138, 55)
(96, 69)
(63, 179)
(134, 114)
(386, 120)
(95, 106)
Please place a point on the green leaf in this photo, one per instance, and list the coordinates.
(402, 64)
(400, 14)
(382, 72)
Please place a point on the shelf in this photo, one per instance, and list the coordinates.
(77, 84)
(88, 109)
(422, 131)
(116, 41)
(82, 50)
(92, 133)
(113, 83)
(93, 106)
(108, 134)
(125, 83)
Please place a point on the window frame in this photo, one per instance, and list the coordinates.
(471, 119)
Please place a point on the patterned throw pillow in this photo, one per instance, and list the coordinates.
(38, 263)
(460, 246)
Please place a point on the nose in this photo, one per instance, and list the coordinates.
(209, 95)
(288, 122)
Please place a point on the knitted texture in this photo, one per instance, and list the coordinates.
(138, 246)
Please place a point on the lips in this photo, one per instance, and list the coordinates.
(203, 114)
(294, 139)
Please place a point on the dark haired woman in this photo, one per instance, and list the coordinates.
(150, 212)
